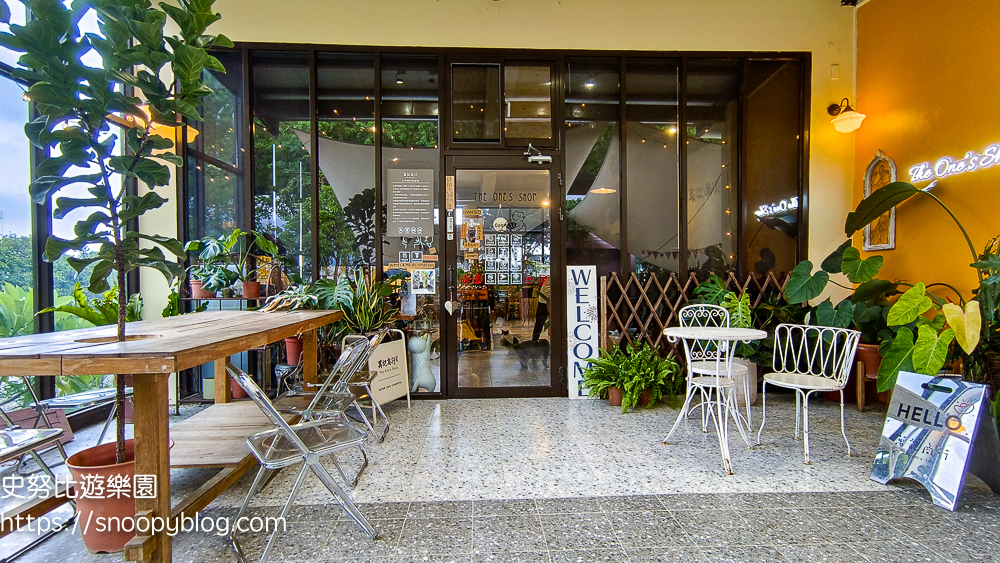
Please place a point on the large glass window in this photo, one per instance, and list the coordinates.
(773, 152)
(651, 98)
(282, 166)
(17, 267)
(712, 130)
(527, 92)
(593, 163)
(410, 172)
(215, 154)
(475, 104)
(345, 90)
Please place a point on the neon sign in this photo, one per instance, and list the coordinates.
(779, 208)
(948, 166)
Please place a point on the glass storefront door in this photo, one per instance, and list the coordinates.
(503, 270)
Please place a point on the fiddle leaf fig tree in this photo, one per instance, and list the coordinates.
(86, 110)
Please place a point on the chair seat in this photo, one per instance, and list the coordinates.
(14, 442)
(84, 398)
(712, 381)
(321, 437)
(362, 377)
(708, 368)
(802, 381)
(296, 403)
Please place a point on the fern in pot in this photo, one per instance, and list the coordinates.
(634, 376)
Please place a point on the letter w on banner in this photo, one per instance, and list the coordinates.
(581, 324)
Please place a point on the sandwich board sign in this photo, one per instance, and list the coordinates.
(937, 431)
(389, 360)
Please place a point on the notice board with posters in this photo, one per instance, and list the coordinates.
(936, 431)
(410, 205)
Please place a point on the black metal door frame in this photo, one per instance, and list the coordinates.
(448, 289)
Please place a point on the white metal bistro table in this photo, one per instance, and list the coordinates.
(703, 343)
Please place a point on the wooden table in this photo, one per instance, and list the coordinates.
(167, 346)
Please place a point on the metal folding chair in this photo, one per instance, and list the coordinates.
(360, 382)
(15, 443)
(286, 445)
(42, 409)
(331, 399)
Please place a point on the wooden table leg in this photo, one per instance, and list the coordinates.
(152, 453)
(223, 388)
(309, 343)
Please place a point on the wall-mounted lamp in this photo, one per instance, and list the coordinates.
(845, 118)
(399, 78)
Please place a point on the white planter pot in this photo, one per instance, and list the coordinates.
(752, 375)
(208, 388)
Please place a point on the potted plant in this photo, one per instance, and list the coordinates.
(713, 291)
(77, 105)
(865, 310)
(296, 297)
(213, 272)
(633, 376)
(929, 330)
(245, 271)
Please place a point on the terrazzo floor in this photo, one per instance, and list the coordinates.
(554, 480)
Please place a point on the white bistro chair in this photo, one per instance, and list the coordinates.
(708, 315)
(808, 359)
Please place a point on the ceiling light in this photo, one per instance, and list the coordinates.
(590, 83)
(846, 119)
(603, 190)
(399, 78)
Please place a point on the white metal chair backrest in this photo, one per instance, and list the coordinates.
(704, 315)
(272, 414)
(820, 351)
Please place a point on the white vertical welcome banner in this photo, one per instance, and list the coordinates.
(581, 324)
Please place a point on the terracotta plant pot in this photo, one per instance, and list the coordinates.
(872, 360)
(198, 293)
(238, 392)
(99, 463)
(251, 290)
(644, 398)
(615, 396)
(293, 349)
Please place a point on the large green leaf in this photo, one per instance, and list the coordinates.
(931, 349)
(873, 291)
(803, 285)
(839, 317)
(898, 357)
(832, 263)
(880, 201)
(910, 305)
(858, 270)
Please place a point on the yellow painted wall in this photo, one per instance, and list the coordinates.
(821, 27)
(929, 81)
